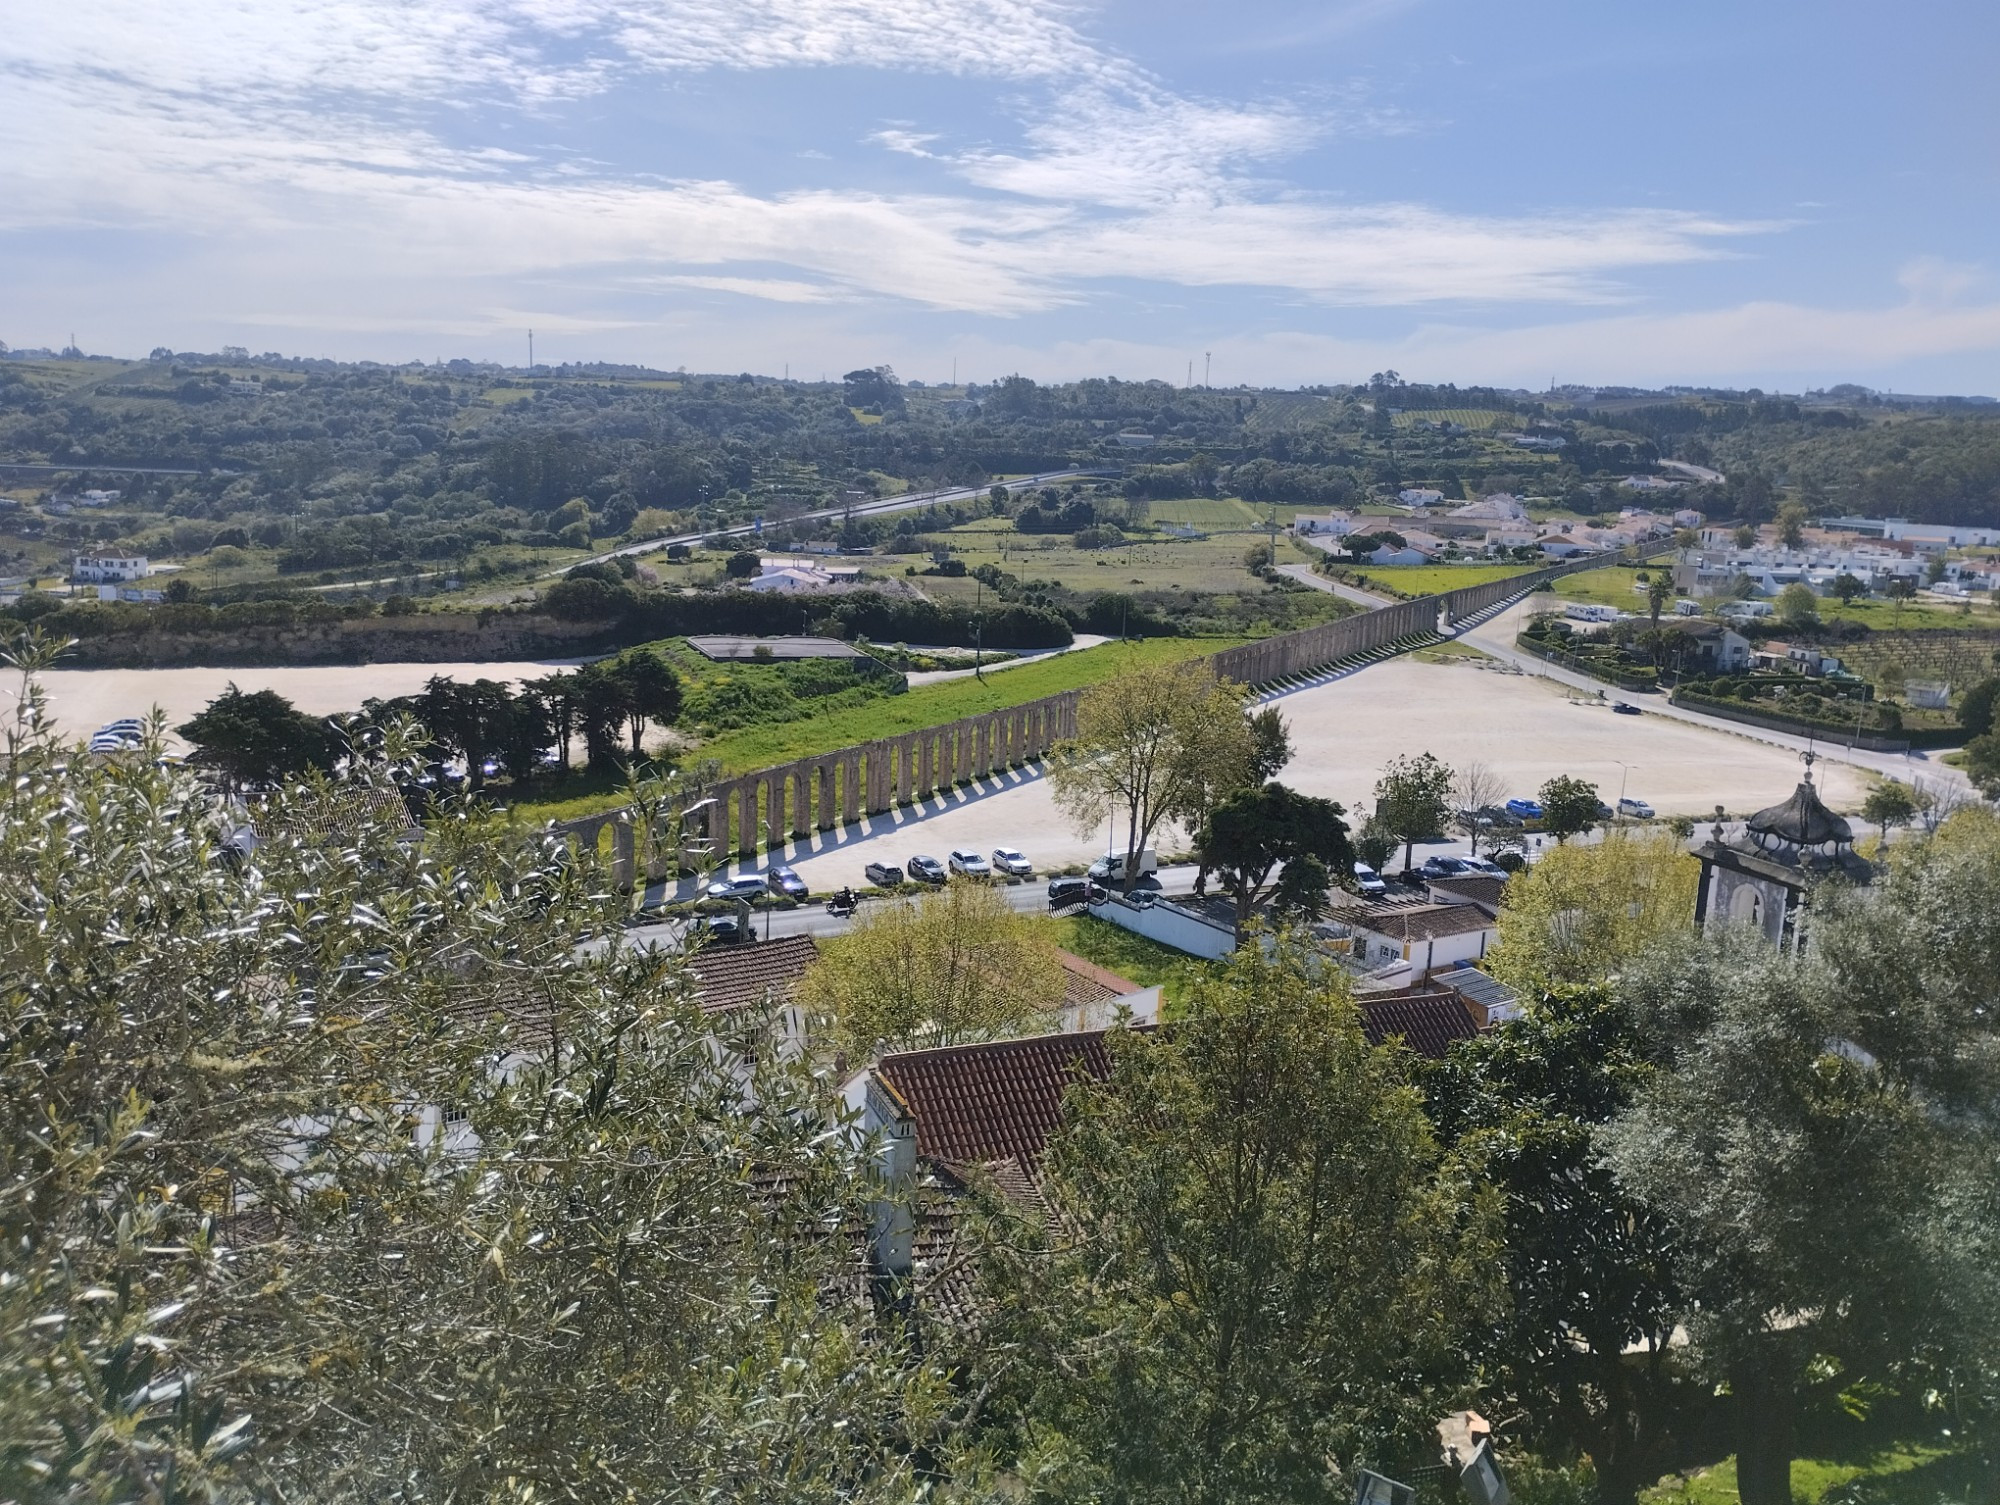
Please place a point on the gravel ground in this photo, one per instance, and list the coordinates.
(82, 700)
(1524, 728)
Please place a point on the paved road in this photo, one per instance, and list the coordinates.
(1304, 574)
(1496, 637)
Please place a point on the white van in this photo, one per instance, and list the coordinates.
(1112, 869)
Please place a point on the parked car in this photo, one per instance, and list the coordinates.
(1638, 809)
(786, 883)
(925, 870)
(1444, 867)
(1112, 869)
(883, 874)
(1524, 809)
(1487, 866)
(1066, 892)
(1604, 811)
(1626, 708)
(1368, 881)
(749, 886)
(1012, 863)
(969, 864)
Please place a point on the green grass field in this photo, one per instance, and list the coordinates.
(1901, 1474)
(1117, 949)
(1222, 512)
(1434, 579)
(1609, 586)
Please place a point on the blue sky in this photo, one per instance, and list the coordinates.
(1780, 194)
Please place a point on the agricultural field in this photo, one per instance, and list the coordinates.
(1151, 562)
(1469, 418)
(1224, 512)
(1959, 658)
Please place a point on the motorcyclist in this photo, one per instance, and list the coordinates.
(845, 898)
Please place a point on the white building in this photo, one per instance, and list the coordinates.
(798, 575)
(103, 569)
(1417, 496)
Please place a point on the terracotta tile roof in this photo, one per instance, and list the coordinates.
(1426, 1017)
(729, 977)
(998, 1100)
(1086, 983)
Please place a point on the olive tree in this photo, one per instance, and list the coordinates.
(337, 1171)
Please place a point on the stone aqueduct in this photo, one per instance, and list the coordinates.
(742, 815)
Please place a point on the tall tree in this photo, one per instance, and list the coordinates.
(263, 1185)
(1582, 913)
(557, 694)
(951, 967)
(1413, 800)
(1253, 833)
(1474, 787)
(471, 720)
(1569, 807)
(602, 707)
(259, 738)
(1820, 1138)
(1157, 742)
(1257, 1264)
(1581, 1349)
(1659, 591)
(652, 692)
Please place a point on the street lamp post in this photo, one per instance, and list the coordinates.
(1625, 772)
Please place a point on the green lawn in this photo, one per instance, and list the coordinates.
(1434, 579)
(934, 705)
(1903, 1474)
(1119, 950)
(1609, 586)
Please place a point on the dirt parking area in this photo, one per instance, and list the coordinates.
(1525, 729)
(82, 700)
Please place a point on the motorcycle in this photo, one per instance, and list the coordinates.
(841, 906)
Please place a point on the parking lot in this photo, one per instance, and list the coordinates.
(1524, 728)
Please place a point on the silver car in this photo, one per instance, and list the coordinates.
(1012, 863)
(969, 864)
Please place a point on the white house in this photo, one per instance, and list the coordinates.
(1332, 525)
(109, 569)
(1426, 937)
(1417, 496)
(799, 575)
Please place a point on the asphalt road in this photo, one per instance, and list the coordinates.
(1496, 637)
(1304, 574)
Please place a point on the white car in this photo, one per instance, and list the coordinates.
(968, 863)
(1012, 863)
(1368, 881)
(1636, 808)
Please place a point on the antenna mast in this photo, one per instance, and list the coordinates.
(531, 351)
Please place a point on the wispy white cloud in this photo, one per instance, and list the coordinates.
(343, 139)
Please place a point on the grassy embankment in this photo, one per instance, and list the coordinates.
(754, 747)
